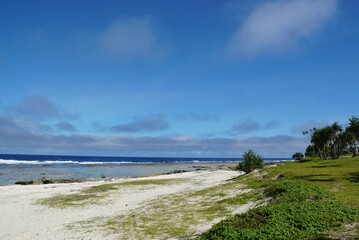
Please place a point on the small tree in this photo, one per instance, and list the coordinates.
(353, 131)
(250, 162)
(310, 152)
(298, 156)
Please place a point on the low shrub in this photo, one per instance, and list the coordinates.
(250, 162)
(299, 211)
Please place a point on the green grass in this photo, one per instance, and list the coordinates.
(313, 199)
(92, 195)
(339, 176)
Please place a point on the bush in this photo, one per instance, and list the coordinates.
(250, 162)
(298, 156)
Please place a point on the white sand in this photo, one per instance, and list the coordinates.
(22, 218)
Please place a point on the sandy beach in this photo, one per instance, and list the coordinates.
(30, 212)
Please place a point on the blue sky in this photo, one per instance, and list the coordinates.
(174, 78)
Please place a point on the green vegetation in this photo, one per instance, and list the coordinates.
(298, 210)
(311, 199)
(94, 194)
(333, 141)
(298, 156)
(352, 134)
(250, 162)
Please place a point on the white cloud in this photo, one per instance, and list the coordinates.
(278, 26)
(15, 136)
(250, 125)
(156, 122)
(131, 38)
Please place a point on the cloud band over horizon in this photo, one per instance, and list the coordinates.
(26, 134)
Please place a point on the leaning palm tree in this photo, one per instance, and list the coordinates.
(321, 141)
(311, 148)
(353, 131)
(335, 131)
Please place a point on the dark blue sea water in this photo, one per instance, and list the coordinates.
(15, 167)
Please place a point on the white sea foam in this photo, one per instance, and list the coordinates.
(35, 162)
(95, 163)
(12, 161)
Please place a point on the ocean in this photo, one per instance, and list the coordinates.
(14, 167)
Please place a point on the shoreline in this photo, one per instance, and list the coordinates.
(24, 218)
(163, 169)
(61, 174)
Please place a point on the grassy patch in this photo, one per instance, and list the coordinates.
(339, 176)
(150, 182)
(94, 194)
(298, 210)
(313, 199)
(237, 200)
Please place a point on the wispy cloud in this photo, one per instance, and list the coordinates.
(40, 107)
(278, 145)
(9, 128)
(150, 123)
(278, 26)
(130, 38)
(250, 125)
(247, 125)
(200, 117)
(271, 125)
(66, 126)
(309, 125)
(35, 115)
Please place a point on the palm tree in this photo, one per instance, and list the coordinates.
(311, 148)
(335, 140)
(353, 134)
(318, 142)
(324, 142)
